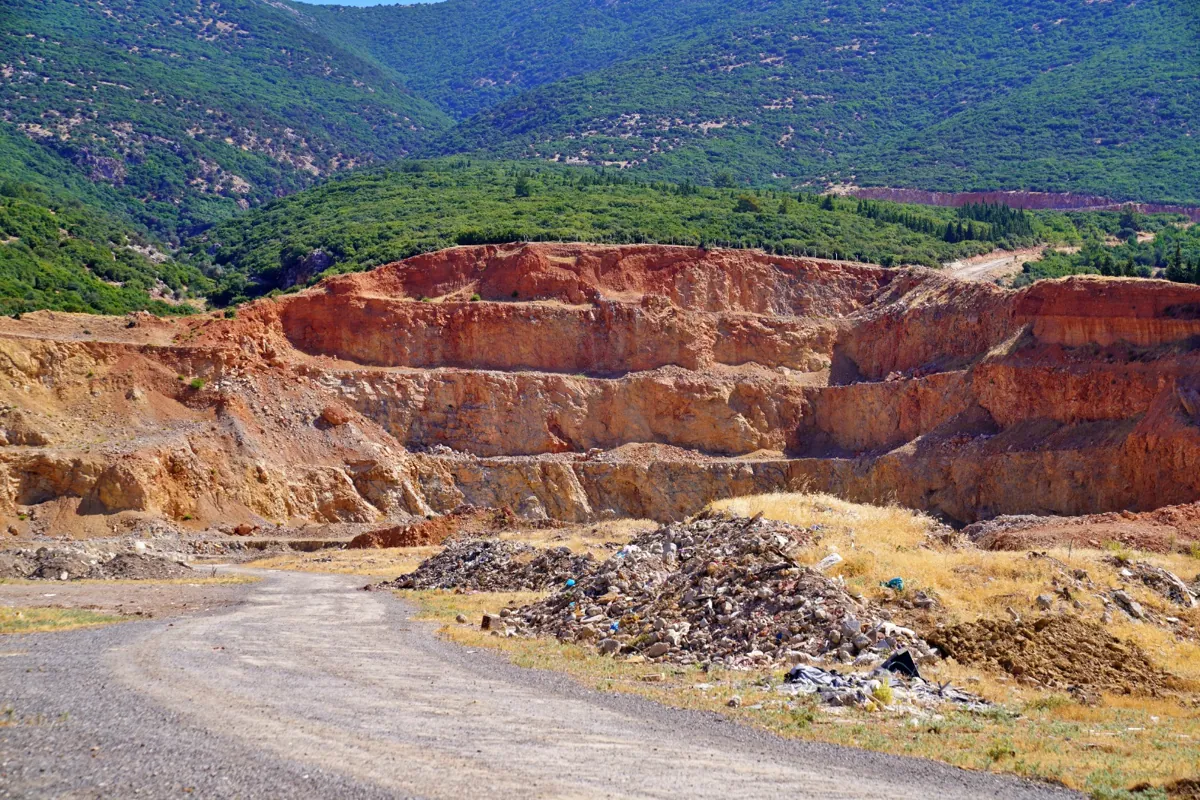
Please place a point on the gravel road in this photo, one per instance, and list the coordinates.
(310, 688)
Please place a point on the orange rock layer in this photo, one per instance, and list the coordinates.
(589, 381)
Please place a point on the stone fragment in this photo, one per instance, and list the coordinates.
(657, 650)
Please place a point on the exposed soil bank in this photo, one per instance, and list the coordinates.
(590, 381)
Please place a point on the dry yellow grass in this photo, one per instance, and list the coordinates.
(1102, 750)
(584, 538)
(882, 542)
(388, 562)
(39, 620)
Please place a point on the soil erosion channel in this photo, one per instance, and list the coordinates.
(311, 687)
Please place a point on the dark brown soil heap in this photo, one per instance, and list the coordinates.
(466, 520)
(1182, 789)
(1057, 652)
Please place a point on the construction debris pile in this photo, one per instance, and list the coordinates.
(494, 565)
(1166, 584)
(62, 564)
(717, 591)
(863, 690)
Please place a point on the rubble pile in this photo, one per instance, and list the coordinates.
(861, 690)
(1166, 584)
(717, 590)
(494, 565)
(64, 564)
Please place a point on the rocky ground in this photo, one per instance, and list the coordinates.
(62, 564)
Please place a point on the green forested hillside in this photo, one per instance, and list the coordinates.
(468, 56)
(191, 111)
(165, 123)
(65, 256)
(1111, 245)
(964, 94)
(384, 215)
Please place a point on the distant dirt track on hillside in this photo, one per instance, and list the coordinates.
(312, 688)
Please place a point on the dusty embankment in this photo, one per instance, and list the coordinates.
(579, 382)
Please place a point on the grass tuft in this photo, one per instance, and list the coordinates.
(40, 620)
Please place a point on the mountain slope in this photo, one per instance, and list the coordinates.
(68, 257)
(951, 94)
(467, 56)
(193, 110)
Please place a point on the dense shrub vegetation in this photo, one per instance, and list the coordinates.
(1125, 244)
(383, 215)
(954, 94)
(160, 124)
(68, 258)
(187, 111)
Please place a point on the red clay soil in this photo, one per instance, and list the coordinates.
(462, 521)
(1164, 530)
(696, 374)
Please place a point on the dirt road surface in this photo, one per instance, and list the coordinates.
(990, 266)
(132, 598)
(310, 688)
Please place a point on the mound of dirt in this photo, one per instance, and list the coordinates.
(465, 521)
(141, 567)
(717, 590)
(1160, 531)
(491, 565)
(1182, 789)
(69, 564)
(1059, 652)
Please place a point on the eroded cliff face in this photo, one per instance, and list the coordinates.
(582, 381)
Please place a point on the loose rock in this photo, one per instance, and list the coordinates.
(717, 590)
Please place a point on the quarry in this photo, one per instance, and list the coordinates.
(717, 479)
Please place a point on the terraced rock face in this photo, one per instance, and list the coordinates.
(578, 381)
